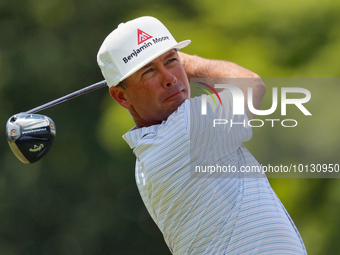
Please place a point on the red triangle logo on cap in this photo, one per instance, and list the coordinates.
(142, 36)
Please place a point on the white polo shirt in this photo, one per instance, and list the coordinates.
(203, 213)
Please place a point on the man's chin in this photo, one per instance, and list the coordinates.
(175, 106)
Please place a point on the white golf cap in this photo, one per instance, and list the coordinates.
(132, 45)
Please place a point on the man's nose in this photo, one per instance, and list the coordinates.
(169, 79)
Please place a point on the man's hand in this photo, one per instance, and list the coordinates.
(197, 67)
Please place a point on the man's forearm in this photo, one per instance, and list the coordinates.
(197, 67)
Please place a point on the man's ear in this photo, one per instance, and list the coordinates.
(119, 94)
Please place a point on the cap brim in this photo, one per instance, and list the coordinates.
(177, 46)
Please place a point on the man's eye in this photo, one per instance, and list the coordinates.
(148, 71)
(171, 60)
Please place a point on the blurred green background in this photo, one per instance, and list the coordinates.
(82, 198)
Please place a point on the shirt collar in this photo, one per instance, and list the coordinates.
(134, 135)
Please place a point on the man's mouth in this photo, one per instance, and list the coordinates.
(173, 95)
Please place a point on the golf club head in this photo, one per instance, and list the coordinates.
(30, 136)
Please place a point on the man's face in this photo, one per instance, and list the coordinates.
(155, 91)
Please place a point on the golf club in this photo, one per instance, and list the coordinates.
(30, 136)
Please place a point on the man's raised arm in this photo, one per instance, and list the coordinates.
(197, 67)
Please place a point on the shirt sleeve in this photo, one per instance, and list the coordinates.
(219, 129)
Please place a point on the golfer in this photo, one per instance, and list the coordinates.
(197, 214)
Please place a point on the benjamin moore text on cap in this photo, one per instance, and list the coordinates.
(132, 45)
